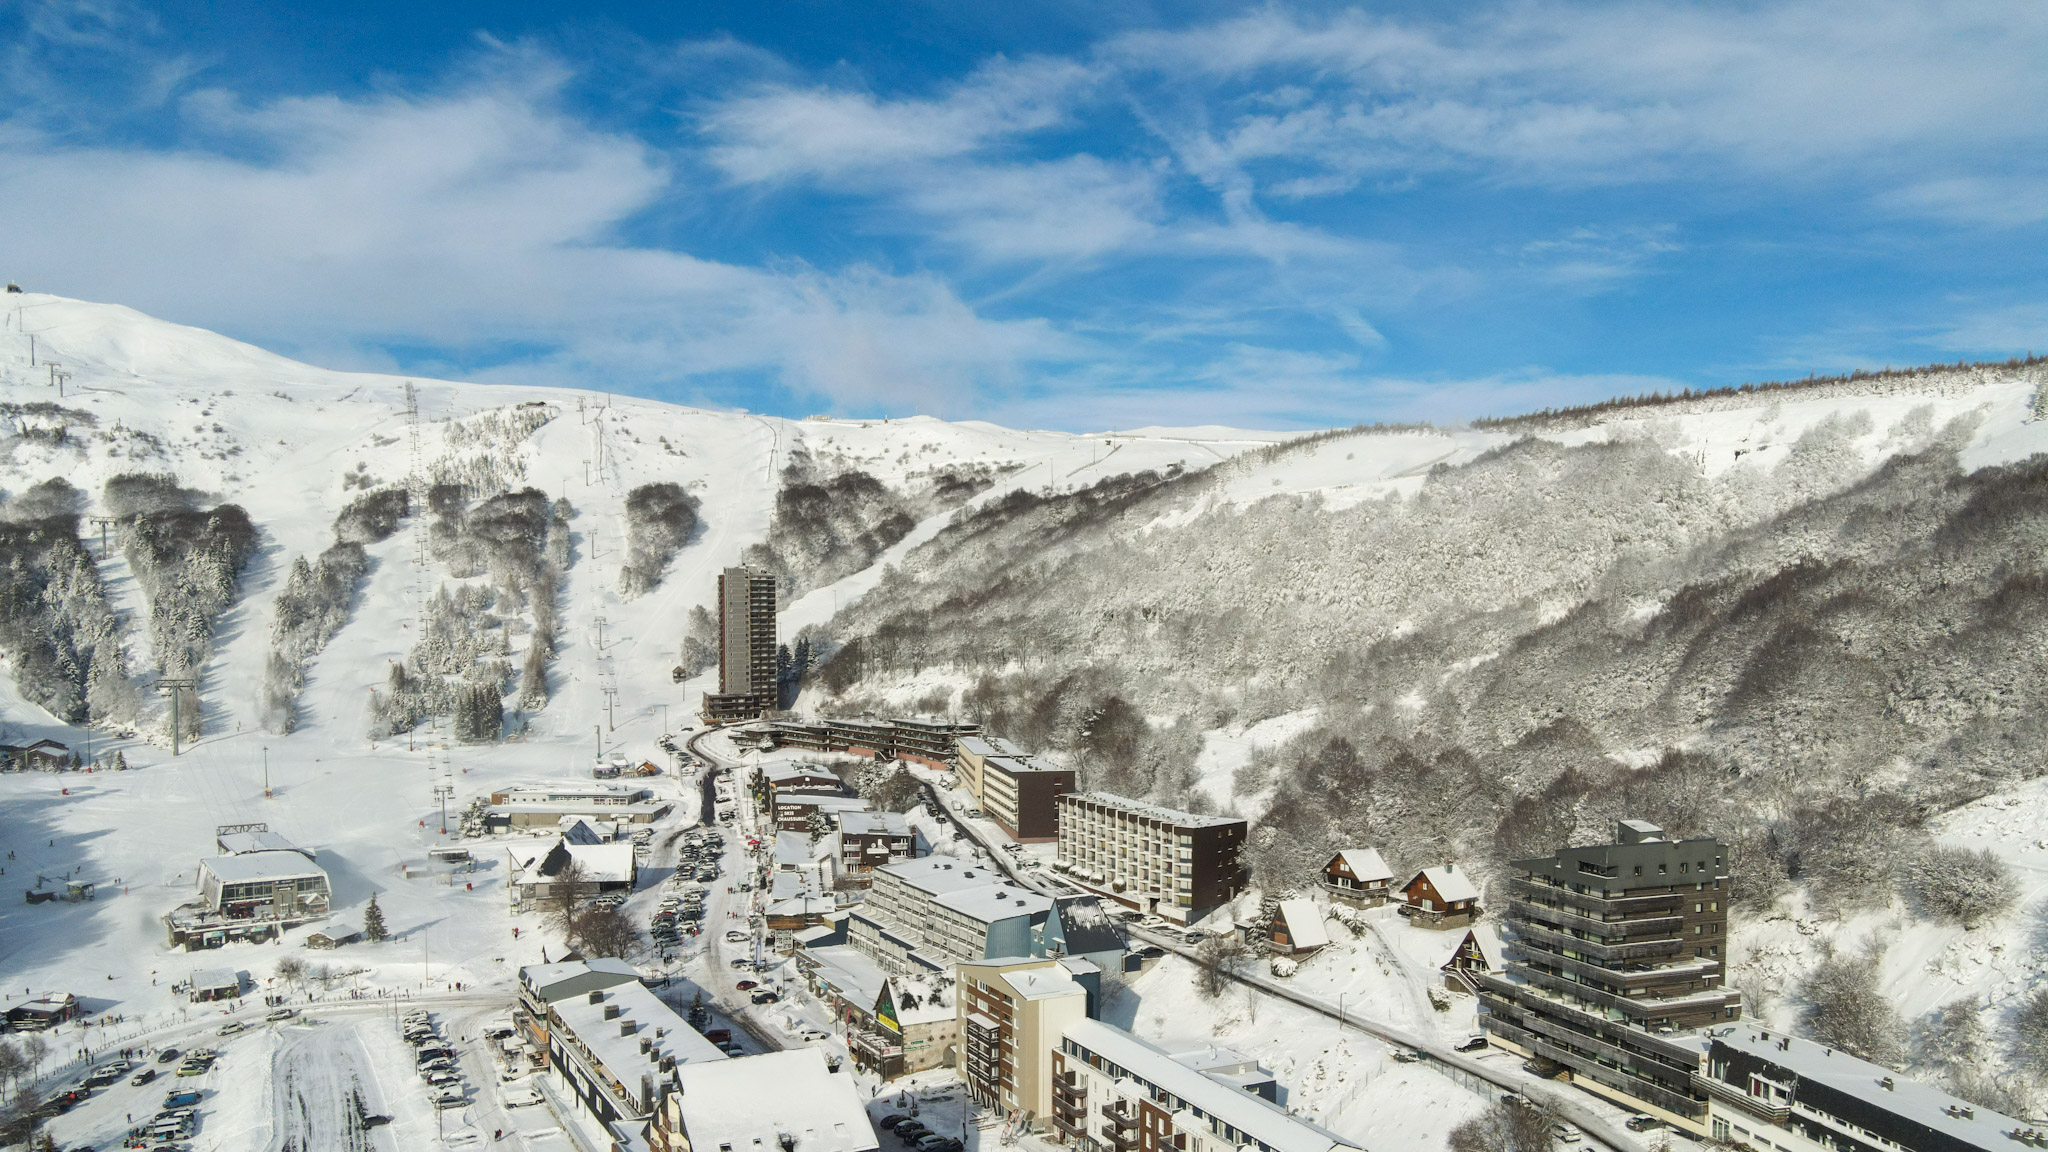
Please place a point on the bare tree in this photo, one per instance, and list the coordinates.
(1845, 1009)
(1514, 1125)
(604, 932)
(2030, 1033)
(1960, 885)
(567, 891)
(1217, 959)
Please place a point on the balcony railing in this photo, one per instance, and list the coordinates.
(1637, 1087)
(1604, 929)
(1592, 902)
(1120, 1119)
(1730, 1094)
(1543, 935)
(1119, 1140)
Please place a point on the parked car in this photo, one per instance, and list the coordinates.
(741, 963)
(745, 985)
(889, 1122)
(813, 1035)
(1472, 1044)
(282, 1014)
(1642, 1123)
(1566, 1133)
(1406, 1056)
(734, 1050)
(719, 1035)
(518, 1095)
(142, 1077)
(180, 1099)
(736, 937)
(912, 1131)
(765, 997)
(166, 1055)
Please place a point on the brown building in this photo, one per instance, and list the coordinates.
(1440, 898)
(747, 686)
(1359, 877)
(1019, 792)
(1160, 860)
(1011, 1014)
(917, 738)
(868, 840)
(1615, 955)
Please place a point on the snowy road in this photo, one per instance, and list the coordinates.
(321, 1087)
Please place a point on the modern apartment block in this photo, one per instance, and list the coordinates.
(1012, 1012)
(1614, 960)
(746, 647)
(1018, 791)
(1176, 864)
(917, 738)
(1113, 1091)
(1776, 1093)
(937, 911)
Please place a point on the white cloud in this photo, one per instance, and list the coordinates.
(469, 221)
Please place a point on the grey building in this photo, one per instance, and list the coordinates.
(1614, 958)
(746, 647)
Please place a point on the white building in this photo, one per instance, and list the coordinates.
(614, 1051)
(790, 1101)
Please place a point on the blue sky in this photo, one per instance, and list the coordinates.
(1270, 215)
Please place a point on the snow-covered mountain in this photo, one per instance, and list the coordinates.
(1805, 618)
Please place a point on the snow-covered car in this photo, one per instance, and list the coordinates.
(1566, 1133)
(518, 1096)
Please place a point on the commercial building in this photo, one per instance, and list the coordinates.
(1154, 859)
(934, 912)
(599, 868)
(796, 1100)
(1013, 1011)
(43, 1013)
(1111, 1090)
(252, 896)
(1769, 1092)
(542, 984)
(209, 984)
(547, 805)
(239, 839)
(1613, 958)
(747, 685)
(1358, 877)
(614, 1051)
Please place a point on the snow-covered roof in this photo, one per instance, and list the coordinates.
(1252, 1115)
(873, 824)
(272, 864)
(256, 840)
(1366, 864)
(1164, 815)
(993, 902)
(792, 849)
(1039, 983)
(1304, 923)
(602, 863)
(921, 999)
(986, 746)
(803, 906)
(1913, 1101)
(1449, 883)
(580, 830)
(1020, 765)
(938, 875)
(548, 981)
(753, 1103)
(1086, 926)
(850, 970)
(784, 773)
(615, 1039)
(820, 801)
(211, 978)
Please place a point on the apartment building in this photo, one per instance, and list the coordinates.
(615, 1050)
(1021, 794)
(798, 1100)
(938, 911)
(1154, 859)
(1111, 1090)
(1012, 1012)
(923, 739)
(747, 686)
(1612, 961)
(1768, 1092)
(868, 840)
(542, 984)
(971, 752)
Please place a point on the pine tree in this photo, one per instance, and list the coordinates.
(373, 921)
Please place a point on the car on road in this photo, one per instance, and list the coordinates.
(166, 1055)
(518, 1095)
(1406, 1056)
(813, 1035)
(1151, 952)
(142, 1077)
(741, 962)
(232, 1027)
(719, 1036)
(765, 997)
(1642, 1123)
(282, 1014)
(1566, 1133)
(746, 985)
(1472, 1044)
(736, 937)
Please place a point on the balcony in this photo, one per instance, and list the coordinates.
(1072, 1129)
(1601, 929)
(1532, 996)
(1729, 1094)
(1538, 934)
(1559, 894)
(1117, 1118)
(1072, 1090)
(1120, 1140)
(1582, 1066)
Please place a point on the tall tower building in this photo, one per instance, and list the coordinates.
(746, 646)
(1617, 956)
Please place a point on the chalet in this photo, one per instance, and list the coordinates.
(1296, 928)
(1358, 877)
(1477, 952)
(334, 934)
(41, 756)
(42, 1013)
(868, 840)
(1440, 899)
(604, 868)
